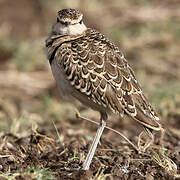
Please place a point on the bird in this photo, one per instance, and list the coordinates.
(89, 67)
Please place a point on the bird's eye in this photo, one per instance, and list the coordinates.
(57, 20)
(81, 21)
(66, 23)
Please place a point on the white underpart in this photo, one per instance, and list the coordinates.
(76, 29)
(63, 30)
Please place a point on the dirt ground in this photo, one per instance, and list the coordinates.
(112, 160)
(40, 135)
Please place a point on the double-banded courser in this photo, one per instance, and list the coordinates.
(89, 67)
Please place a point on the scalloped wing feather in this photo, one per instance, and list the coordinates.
(96, 67)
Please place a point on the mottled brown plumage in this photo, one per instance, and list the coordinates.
(89, 67)
(95, 67)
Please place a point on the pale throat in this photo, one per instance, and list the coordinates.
(76, 29)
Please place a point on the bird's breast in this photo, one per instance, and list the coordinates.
(62, 83)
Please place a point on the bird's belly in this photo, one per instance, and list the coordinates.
(88, 102)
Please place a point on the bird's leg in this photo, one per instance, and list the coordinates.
(95, 142)
(147, 143)
(115, 131)
(162, 132)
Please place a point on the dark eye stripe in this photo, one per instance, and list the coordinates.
(66, 23)
(81, 21)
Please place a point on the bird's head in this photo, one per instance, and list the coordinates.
(69, 22)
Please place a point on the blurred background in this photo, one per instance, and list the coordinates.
(147, 31)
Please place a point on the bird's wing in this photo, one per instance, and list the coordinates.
(96, 68)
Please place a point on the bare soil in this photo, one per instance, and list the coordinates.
(117, 160)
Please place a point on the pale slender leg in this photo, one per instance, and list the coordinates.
(147, 143)
(86, 119)
(162, 135)
(94, 144)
